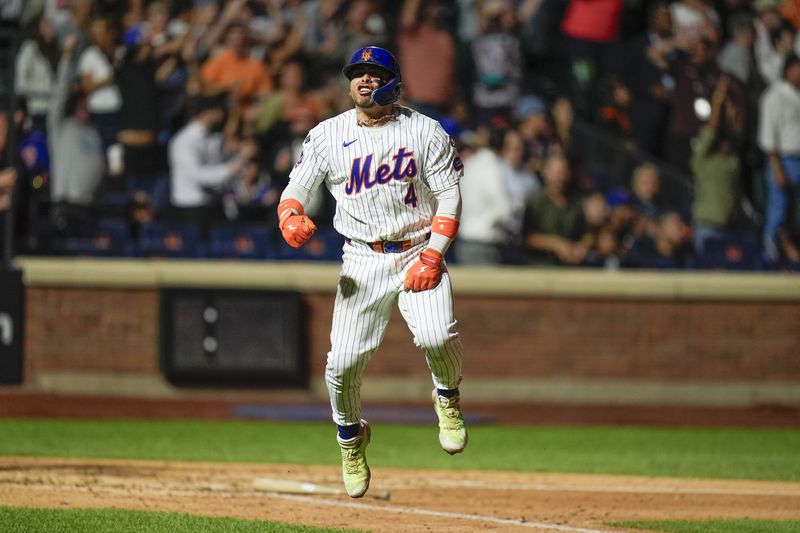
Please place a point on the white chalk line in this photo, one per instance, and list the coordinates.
(633, 489)
(440, 514)
(315, 500)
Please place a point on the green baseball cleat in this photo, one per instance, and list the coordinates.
(452, 431)
(355, 470)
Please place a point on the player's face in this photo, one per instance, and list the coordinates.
(366, 80)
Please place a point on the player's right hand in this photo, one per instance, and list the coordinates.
(296, 228)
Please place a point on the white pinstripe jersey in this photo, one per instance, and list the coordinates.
(383, 178)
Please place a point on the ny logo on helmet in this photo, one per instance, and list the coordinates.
(366, 55)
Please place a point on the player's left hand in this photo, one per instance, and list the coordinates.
(426, 273)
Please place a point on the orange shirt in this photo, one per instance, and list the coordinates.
(791, 12)
(246, 75)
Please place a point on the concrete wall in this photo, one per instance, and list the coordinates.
(529, 335)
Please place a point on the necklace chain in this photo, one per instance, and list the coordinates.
(372, 122)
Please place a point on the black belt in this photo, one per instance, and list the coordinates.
(390, 247)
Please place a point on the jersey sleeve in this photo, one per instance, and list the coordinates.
(443, 164)
(311, 167)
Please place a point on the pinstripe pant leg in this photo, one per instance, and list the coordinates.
(363, 306)
(430, 317)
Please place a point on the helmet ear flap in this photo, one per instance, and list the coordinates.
(388, 93)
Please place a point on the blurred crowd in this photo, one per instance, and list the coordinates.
(169, 127)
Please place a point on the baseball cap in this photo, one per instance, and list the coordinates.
(132, 36)
(528, 106)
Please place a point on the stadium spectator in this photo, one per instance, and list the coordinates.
(790, 11)
(563, 119)
(200, 165)
(696, 74)
(603, 245)
(670, 248)
(427, 56)
(772, 52)
(71, 20)
(694, 20)
(538, 135)
(589, 26)
(522, 186)
(773, 39)
(779, 137)
(96, 70)
(363, 25)
(716, 211)
(645, 199)
(736, 56)
(254, 193)
(139, 119)
(554, 226)
(487, 208)
(319, 39)
(646, 72)
(615, 110)
(35, 69)
(497, 63)
(77, 155)
(273, 117)
(232, 69)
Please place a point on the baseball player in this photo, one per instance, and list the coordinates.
(395, 176)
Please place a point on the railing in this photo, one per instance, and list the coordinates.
(611, 163)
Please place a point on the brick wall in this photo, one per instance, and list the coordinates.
(90, 330)
(116, 330)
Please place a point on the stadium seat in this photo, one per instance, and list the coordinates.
(731, 253)
(169, 240)
(241, 242)
(325, 245)
(109, 238)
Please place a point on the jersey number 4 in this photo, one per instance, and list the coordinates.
(411, 196)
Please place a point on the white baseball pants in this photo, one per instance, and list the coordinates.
(370, 284)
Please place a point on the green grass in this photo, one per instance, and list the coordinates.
(716, 526)
(766, 454)
(26, 520)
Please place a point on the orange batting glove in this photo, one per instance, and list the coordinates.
(426, 273)
(296, 228)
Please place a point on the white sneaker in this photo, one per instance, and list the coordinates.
(452, 431)
(355, 471)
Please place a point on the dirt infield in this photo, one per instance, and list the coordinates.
(421, 500)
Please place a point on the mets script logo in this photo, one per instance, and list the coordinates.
(361, 173)
(366, 55)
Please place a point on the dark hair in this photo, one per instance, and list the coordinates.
(777, 31)
(76, 96)
(739, 22)
(653, 10)
(51, 50)
(497, 137)
(206, 102)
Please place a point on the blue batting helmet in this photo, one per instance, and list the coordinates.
(383, 59)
